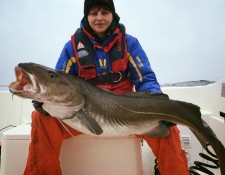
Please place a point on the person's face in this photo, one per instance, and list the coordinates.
(100, 19)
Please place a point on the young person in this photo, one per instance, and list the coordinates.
(102, 53)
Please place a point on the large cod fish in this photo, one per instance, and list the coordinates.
(99, 112)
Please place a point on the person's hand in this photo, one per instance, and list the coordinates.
(38, 107)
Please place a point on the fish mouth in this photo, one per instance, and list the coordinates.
(25, 83)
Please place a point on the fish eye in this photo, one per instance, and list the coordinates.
(52, 75)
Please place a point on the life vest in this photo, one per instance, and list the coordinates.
(84, 51)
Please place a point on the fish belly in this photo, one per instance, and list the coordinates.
(114, 129)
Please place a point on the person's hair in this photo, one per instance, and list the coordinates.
(99, 7)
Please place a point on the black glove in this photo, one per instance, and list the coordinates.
(168, 124)
(38, 107)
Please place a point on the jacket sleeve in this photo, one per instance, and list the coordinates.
(140, 69)
(67, 61)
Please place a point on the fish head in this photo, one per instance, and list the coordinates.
(44, 84)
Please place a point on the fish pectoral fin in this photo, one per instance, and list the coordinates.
(89, 122)
(158, 131)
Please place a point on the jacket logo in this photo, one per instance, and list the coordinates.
(80, 46)
(102, 63)
(82, 53)
(140, 64)
(119, 46)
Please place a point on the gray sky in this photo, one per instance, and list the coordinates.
(184, 39)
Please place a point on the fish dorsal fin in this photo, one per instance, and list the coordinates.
(160, 95)
(159, 131)
(89, 122)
